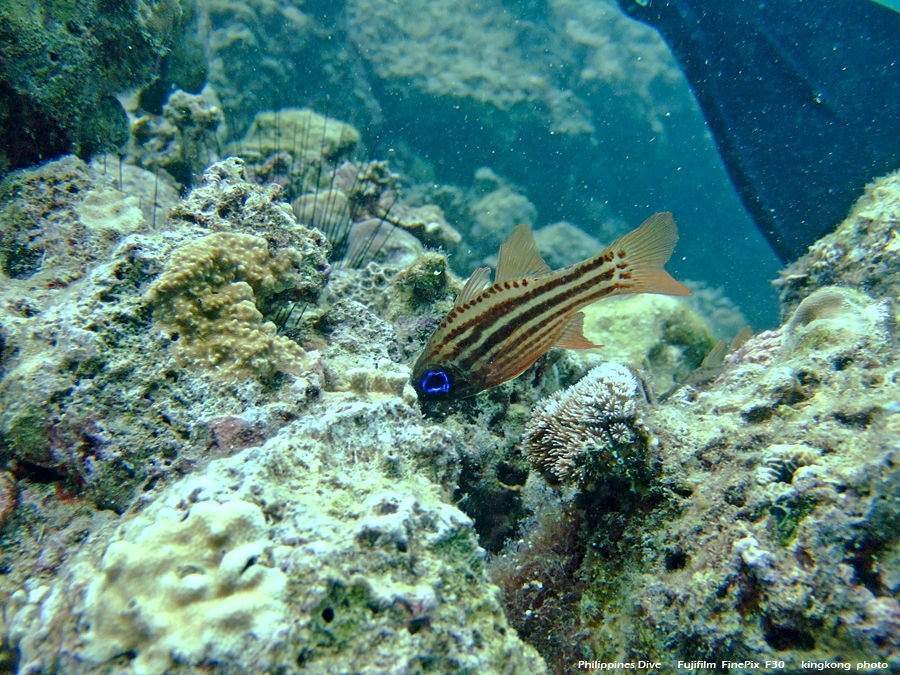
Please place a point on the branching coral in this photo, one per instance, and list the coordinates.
(589, 430)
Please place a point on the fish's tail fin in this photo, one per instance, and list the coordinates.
(641, 254)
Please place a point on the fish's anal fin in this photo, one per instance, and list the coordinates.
(520, 257)
(480, 279)
(573, 336)
(645, 251)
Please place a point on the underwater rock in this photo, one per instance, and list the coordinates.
(185, 139)
(301, 132)
(351, 556)
(468, 72)
(184, 584)
(564, 244)
(371, 286)
(7, 497)
(64, 64)
(862, 253)
(834, 319)
(59, 219)
(240, 35)
(91, 397)
(225, 201)
(377, 240)
(763, 532)
(216, 290)
(426, 223)
(99, 413)
(425, 280)
(156, 191)
(496, 214)
(782, 460)
(360, 352)
(659, 335)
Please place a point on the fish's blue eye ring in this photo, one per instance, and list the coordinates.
(436, 382)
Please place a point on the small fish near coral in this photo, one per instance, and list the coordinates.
(496, 331)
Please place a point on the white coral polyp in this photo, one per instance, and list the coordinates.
(587, 417)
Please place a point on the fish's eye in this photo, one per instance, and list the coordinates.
(436, 382)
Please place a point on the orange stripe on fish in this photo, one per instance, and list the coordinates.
(496, 331)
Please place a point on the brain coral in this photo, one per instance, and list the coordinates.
(209, 297)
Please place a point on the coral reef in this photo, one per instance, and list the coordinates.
(349, 561)
(659, 335)
(497, 213)
(239, 35)
(86, 380)
(527, 85)
(209, 296)
(161, 468)
(58, 220)
(764, 531)
(299, 131)
(862, 253)
(622, 61)
(64, 64)
(185, 586)
(185, 139)
(156, 191)
(590, 430)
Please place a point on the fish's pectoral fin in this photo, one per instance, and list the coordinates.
(480, 279)
(573, 335)
(520, 257)
(642, 254)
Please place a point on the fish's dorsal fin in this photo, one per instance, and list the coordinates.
(573, 336)
(480, 279)
(716, 356)
(520, 257)
(739, 339)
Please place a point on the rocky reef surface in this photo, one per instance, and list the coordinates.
(212, 460)
(65, 63)
(188, 488)
(768, 527)
(191, 485)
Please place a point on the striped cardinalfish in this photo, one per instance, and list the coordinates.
(496, 331)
